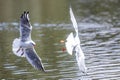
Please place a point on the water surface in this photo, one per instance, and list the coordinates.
(99, 30)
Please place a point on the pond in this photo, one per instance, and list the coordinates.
(99, 32)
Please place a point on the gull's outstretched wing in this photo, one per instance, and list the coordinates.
(25, 27)
(80, 58)
(74, 21)
(34, 59)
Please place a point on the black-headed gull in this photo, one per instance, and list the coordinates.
(73, 44)
(24, 46)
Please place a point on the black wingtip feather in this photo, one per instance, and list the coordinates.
(25, 18)
(25, 13)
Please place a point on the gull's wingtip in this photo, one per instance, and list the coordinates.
(74, 22)
(25, 20)
(81, 61)
(41, 68)
(25, 15)
(34, 59)
(38, 65)
(70, 8)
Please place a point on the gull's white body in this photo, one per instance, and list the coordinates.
(16, 45)
(73, 44)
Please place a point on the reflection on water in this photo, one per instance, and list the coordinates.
(98, 30)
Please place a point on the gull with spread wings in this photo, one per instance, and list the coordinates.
(24, 46)
(73, 44)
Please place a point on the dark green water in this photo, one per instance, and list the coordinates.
(99, 31)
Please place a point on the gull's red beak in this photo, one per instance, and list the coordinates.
(34, 45)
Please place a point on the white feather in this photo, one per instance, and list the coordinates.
(16, 46)
(73, 21)
(70, 43)
(80, 58)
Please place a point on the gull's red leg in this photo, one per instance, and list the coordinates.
(18, 49)
(22, 51)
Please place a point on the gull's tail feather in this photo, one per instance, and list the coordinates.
(16, 47)
(70, 43)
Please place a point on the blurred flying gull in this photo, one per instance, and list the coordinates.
(73, 45)
(24, 46)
